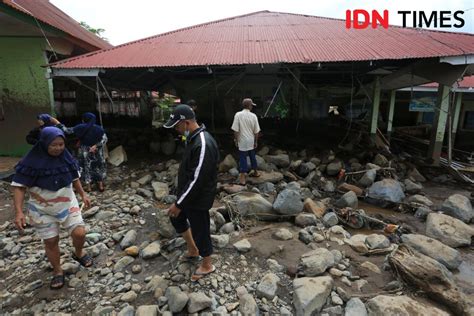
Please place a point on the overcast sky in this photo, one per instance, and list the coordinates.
(128, 20)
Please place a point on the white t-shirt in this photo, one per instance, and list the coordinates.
(246, 124)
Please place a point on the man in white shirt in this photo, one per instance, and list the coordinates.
(246, 129)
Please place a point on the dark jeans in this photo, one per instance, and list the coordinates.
(244, 168)
(200, 223)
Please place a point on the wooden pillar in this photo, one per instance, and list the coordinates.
(439, 124)
(391, 111)
(375, 108)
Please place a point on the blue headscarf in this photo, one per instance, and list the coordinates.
(40, 169)
(88, 132)
(46, 118)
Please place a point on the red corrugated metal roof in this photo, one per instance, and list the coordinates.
(273, 37)
(46, 12)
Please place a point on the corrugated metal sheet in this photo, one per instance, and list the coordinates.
(46, 12)
(272, 37)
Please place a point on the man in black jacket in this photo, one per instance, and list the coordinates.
(197, 180)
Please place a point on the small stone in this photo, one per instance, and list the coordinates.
(243, 245)
(152, 250)
(136, 268)
(355, 307)
(268, 286)
(330, 219)
(132, 251)
(283, 234)
(370, 266)
(129, 297)
(198, 301)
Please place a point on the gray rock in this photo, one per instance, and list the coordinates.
(234, 172)
(388, 190)
(305, 168)
(98, 311)
(306, 219)
(357, 242)
(220, 241)
(305, 236)
(349, 199)
(274, 266)
(310, 294)
(458, 206)
(288, 202)
(164, 226)
(355, 307)
(128, 297)
(267, 187)
(316, 262)
(330, 219)
(33, 286)
(252, 204)
(422, 212)
(416, 175)
(145, 179)
(243, 245)
(449, 230)
(248, 306)
(412, 187)
(169, 199)
(161, 189)
(400, 305)
(227, 228)
(368, 178)
(328, 185)
(420, 200)
(198, 301)
(227, 164)
(376, 241)
(102, 215)
(446, 255)
(123, 263)
(147, 310)
(127, 311)
(152, 250)
(333, 311)
(70, 268)
(145, 193)
(157, 282)
(129, 239)
(283, 234)
(334, 167)
(268, 286)
(177, 299)
(280, 161)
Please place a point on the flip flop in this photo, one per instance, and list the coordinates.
(85, 261)
(57, 282)
(186, 258)
(199, 275)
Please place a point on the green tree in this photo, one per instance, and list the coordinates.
(97, 31)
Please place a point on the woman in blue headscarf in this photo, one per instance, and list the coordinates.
(49, 173)
(92, 139)
(44, 120)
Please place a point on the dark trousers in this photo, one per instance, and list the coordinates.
(200, 223)
(243, 165)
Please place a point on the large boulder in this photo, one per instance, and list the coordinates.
(458, 206)
(449, 230)
(227, 164)
(446, 255)
(316, 262)
(310, 294)
(388, 190)
(288, 202)
(272, 177)
(400, 306)
(281, 160)
(253, 204)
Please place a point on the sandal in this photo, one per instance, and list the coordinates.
(85, 260)
(254, 174)
(199, 275)
(57, 282)
(186, 258)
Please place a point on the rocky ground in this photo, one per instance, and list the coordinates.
(302, 239)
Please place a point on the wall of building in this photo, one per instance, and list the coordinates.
(24, 91)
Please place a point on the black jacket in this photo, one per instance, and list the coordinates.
(197, 175)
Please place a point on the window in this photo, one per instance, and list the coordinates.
(469, 120)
